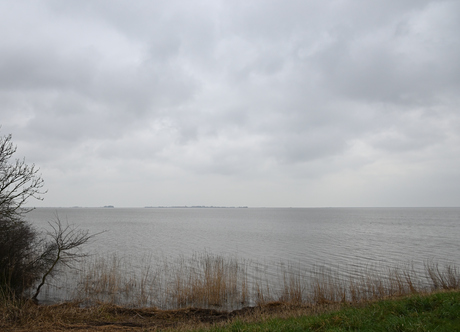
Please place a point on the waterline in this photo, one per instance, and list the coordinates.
(212, 281)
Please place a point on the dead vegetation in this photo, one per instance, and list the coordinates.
(28, 316)
(216, 282)
(208, 289)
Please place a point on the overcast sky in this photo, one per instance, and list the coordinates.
(228, 103)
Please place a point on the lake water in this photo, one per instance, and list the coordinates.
(302, 237)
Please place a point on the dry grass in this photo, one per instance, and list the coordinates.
(27, 316)
(210, 282)
(203, 280)
(446, 279)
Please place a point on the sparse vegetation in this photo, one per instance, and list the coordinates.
(210, 281)
(199, 294)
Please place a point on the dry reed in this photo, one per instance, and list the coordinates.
(207, 281)
(212, 281)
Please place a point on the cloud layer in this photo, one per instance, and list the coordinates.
(260, 103)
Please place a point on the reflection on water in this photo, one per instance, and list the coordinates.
(374, 238)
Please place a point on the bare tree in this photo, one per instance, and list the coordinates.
(19, 268)
(18, 182)
(25, 257)
(63, 248)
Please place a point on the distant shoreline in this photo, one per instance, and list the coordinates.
(196, 207)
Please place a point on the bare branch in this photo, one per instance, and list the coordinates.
(20, 247)
(63, 248)
(18, 181)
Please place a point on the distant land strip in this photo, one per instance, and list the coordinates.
(196, 207)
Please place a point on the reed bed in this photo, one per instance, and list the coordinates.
(203, 280)
(112, 292)
(212, 281)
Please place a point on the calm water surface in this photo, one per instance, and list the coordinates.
(302, 236)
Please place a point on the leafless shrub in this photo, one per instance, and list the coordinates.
(63, 248)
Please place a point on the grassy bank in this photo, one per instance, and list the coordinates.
(419, 312)
(433, 312)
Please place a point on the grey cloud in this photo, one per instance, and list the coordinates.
(402, 61)
(261, 93)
